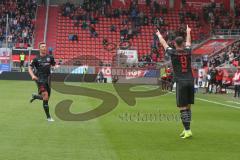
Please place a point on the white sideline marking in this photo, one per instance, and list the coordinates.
(233, 102)
(214, 102)
(222, 104)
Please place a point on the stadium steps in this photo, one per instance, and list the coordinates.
(40, 25)
(52, 27)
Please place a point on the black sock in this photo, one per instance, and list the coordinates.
(46, 108)
(186, 116)
(38, 97)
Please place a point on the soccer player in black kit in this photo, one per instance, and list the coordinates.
(181, 62)
(40, 70)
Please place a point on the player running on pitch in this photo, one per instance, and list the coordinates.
(40, 70)
(181, 62)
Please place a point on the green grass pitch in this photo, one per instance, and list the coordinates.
(26, 135)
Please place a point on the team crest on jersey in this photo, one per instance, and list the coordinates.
(48, 59)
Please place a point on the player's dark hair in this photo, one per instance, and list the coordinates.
(39, 44)
(179, 41)
(171, 44)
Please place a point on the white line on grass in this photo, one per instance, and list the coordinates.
(233, 102)
(222, 104)
(214, 102)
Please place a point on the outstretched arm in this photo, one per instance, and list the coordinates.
(162, 40)
(188, 39)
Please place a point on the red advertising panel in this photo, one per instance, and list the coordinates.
(128, 72)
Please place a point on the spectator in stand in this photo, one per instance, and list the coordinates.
(21, 25)
(134, 16)
(93, 20)
(155, 21)
(236, 81)
(225, 57)
(93, 32)
(72, 37)
(148, 58)
(66, 9)
(155, 41)
(140, 19)
(145, 20)
(156, 7)
(10, 40)
(164, 9)
(130, 34)
(181, 17)
(161, 21)
(237, 10)
(124, 31)
(218, 60)
(113, 28)
(231, 55)
(84, 25)
(116, 13)
(124, 21)
(105, 42)
(220, 18)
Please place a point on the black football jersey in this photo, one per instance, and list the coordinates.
(181, 62)
(42, 66)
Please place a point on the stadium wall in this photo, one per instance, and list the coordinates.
(62, 77)
(55, 77)
(139, 80)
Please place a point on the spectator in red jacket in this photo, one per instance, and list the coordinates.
(219, 78)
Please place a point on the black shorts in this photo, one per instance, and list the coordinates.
(184, 93)
(21, 63)
(212, 81)
(43, 86)
(169, 80)
(219, 82)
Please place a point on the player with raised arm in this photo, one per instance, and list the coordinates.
(181, 62)
(40, 71)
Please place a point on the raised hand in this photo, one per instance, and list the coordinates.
(158, 33)
(188, 29)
